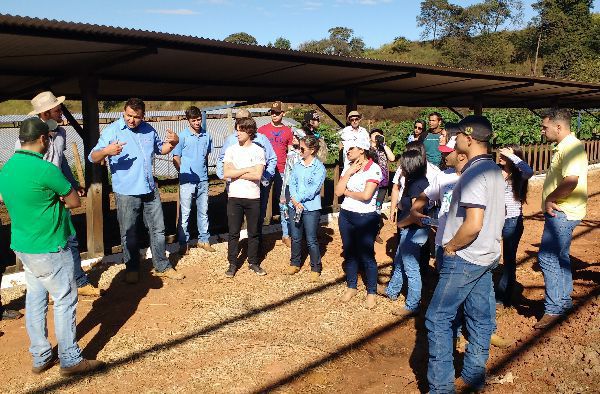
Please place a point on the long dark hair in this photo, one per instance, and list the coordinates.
(413, 162)
(520, 185)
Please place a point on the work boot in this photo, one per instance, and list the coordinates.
(206, 246)
(315, 276)
(169, 273)
(546, 321)
(85, 366)
(291, 270)
(498, 341)
(132, 277)
(10, 314)
(184, 250)
(287, 241)
(46, 366)
(89, 290)
(403, 312)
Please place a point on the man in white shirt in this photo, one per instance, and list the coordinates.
(243, 164)
(352, 132)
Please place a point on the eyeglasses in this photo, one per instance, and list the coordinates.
(418, 128)
(354, 119)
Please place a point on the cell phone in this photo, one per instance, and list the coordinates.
(429, 221)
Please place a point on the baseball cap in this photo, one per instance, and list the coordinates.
(450, 145)
(354, 113)
(242, 113)
(451, 129)
(361, 141)
(476, 126)
(276, 107)
(311, 115)
(32, 128)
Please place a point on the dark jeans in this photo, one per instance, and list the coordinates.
(358, 232)
(511, 235)
(276, 183)
(236, 209)
(381, 193)
(129, 209)
(309, 224)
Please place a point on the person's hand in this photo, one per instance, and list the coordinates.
(550, 206)
(354, 168)
(448, 250)
(114, 148)
(416, 217)
(172, 138)
(506, 151)
(80, 191)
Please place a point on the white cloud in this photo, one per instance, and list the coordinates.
(363, 2)
(311, 5)
(178, 11)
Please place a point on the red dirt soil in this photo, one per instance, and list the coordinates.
(208, 333)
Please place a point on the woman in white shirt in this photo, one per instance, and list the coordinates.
(358, 220)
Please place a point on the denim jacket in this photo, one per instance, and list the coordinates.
(305, 184)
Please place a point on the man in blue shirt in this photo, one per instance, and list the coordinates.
(190, 157)
(129, 145)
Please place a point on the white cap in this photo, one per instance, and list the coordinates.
(360, 141)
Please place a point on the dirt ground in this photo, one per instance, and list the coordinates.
(279, 333)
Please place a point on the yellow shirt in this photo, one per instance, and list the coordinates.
(569, 159)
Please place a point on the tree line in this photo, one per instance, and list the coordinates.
(561, 41)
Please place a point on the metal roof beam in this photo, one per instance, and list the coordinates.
(476, 92)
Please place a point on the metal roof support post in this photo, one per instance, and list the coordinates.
(326, 112)
(72, 121)
(478, 106)
(351, 100)
(95, 175)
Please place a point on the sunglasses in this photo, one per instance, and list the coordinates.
(418, 128)
(354, 119)
(303, 149)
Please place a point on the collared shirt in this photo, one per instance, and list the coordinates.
(30, 188)
(481, 185)
(131, 170)
(357, 183)
(56, 153)
(306, 182)
(193, 148)
(260, 140)
(569, 159)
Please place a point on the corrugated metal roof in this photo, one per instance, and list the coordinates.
(140, 63)
(219, 129)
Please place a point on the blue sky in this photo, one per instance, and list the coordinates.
(376, 21)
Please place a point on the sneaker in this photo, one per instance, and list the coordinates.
(169, 273)
(291, 270)
(287, 241)
(403, 312)
(46, 366)
(89, 290)
(315, 276)
(378, 239)
(132, 277)
(206, 246)
(257, 269)
(85, 366)
(10, 314)
(230, 273)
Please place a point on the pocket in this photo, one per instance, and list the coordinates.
(40, 265)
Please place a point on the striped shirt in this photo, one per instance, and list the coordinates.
(514, 207)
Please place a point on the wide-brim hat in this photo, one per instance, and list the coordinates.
(45, 101)
(354, 113)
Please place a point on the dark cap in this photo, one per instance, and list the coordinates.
(32, 128)
(276, 107)
(451, 129)
(311, 115)
(476, 126)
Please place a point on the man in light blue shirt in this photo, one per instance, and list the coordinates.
(190, 157)
(259, 140)
(129, 145)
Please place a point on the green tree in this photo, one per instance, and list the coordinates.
(400, 45)
(434, 16)
(241, 38)
(564, 27)
(341, 42)
(282, 43)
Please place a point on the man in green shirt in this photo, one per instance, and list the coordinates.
(38, 196)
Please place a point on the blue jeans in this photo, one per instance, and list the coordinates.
(555, 262)
(460, 283)
(406, 263)
(511, 236)
(129, 209)
(51, 273)
(81, 278)
(309, 224)
(187, 192)
(276, 183)
(358, 232)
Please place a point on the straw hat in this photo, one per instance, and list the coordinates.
(45, 101)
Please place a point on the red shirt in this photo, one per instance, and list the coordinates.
(280, 138)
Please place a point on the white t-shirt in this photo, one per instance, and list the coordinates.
(244, 157)
(357, 183)
(349, 134)
(440, 189)
(432, 172)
